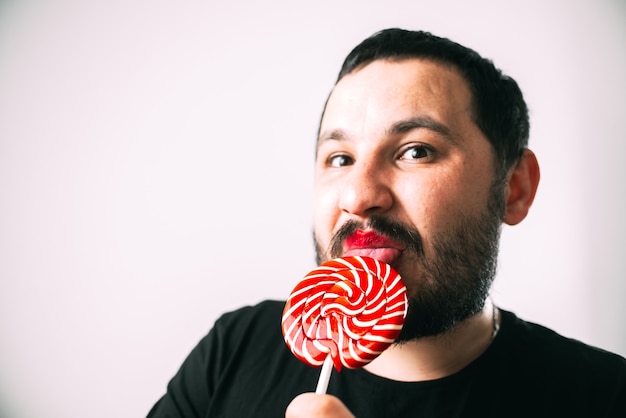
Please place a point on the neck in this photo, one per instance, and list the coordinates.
(440, 356)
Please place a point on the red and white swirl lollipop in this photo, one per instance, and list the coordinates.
(345, 312)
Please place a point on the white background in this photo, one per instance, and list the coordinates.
(156, 169)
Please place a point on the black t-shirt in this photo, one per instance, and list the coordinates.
(243, 368)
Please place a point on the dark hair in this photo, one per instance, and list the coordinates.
(498, 107)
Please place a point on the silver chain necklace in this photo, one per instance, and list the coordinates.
(496, 321)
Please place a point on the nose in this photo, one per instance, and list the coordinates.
(366, 191)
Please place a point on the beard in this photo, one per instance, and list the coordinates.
(453, 283)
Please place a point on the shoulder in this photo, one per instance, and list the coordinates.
(242, 358)
(267, 310)
(250, 335)
(531, 339)
(261, 321)
(537, 359)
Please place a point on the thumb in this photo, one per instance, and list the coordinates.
(320, 406)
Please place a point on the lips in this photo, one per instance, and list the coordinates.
(371, 244)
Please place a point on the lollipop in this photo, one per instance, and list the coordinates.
(345, 312)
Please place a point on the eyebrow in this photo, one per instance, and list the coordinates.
(418, 122)
(398, 128)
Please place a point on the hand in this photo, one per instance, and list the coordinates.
(319, 406)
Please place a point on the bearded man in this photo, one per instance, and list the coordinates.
(422, 155)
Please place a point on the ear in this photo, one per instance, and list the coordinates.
(521, 188)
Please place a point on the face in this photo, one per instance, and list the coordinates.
(404, 175)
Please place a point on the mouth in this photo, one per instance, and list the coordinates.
(371, 244)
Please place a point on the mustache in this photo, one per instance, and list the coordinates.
(393, 230)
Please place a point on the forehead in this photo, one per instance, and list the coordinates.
(384, 91)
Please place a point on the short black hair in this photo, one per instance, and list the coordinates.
(498, 106)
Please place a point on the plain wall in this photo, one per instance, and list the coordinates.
(156, 170)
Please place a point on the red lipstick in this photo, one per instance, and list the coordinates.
(368, 239)
(371, 244)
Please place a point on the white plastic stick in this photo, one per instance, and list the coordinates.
(322, 383)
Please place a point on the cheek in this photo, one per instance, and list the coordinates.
(458, 199)
(439, 203)
(325, 213)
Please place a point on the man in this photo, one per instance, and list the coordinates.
(421, 156)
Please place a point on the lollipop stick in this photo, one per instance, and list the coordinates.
(322, 383)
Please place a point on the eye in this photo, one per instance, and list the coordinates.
(416, 152)
(339, 160)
